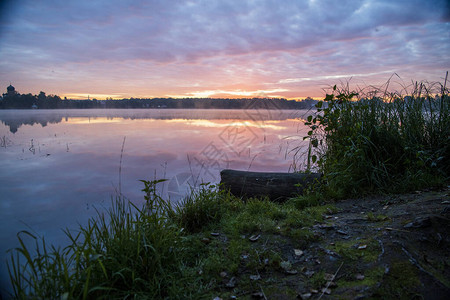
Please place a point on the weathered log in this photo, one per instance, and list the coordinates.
(276, 186)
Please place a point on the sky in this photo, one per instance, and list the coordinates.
(212, 48)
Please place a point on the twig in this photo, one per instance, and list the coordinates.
(329, 282)
(262, 291)
(394, 229)
(120, 166)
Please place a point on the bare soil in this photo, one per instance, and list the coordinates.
(384, 247)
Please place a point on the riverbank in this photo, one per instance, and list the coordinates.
(219, 247)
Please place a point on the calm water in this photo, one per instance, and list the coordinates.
(58, 165)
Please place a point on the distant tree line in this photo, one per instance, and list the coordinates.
(26, 101)
(43, 101)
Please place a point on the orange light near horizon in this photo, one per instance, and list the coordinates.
(92, 120)
(92, 96)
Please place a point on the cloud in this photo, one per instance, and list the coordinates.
(217, 44)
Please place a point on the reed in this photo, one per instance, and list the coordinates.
(160, 251)
(372, 140)
(123, 252)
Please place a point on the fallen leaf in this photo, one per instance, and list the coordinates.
(215, 233)
(291, 272)
(360, 276)
(326, 291)
(361, 247)
(298, 252)
(305, 296)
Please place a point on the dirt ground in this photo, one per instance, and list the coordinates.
(384, 247)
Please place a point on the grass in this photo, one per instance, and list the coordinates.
(374, 141)
(352, 250)
(162, 252)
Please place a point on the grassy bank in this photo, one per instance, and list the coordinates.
(201, 248)
(160, 251)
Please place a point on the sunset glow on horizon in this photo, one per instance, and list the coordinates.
(219, 49)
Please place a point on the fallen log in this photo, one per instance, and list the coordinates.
(276, 186)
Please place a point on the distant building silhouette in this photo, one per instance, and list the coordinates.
(10, 91)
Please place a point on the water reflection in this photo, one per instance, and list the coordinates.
(14, 119)
(54, 174)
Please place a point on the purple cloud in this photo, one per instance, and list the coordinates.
(160, 47)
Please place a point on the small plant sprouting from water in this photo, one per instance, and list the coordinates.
(5, 142)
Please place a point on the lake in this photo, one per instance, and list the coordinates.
(58, 166)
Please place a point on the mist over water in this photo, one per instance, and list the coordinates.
(58, 166)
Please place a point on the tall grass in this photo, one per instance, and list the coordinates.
(372, 140)
(124, 252)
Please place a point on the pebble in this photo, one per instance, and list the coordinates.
(255, 277)
(342, 232)
(305, 296)
(231, 283)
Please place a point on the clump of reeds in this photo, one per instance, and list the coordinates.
(124, 252)
(372, 140)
